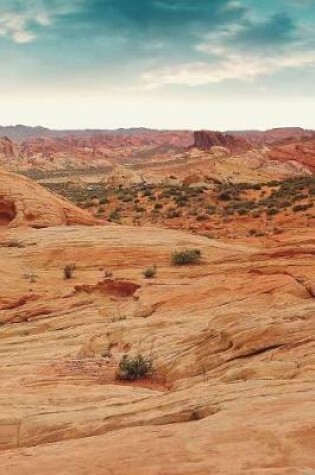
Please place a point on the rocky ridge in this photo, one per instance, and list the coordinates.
(207, 139)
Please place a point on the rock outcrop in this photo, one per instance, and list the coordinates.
(25, 203)
(302, 153)
(274, 136)
(207, 139)
(122, 177)
(7, 149)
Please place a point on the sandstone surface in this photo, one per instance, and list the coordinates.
(25, 203)
(232, 340)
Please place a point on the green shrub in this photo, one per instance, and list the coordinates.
(228, 211)
(114, 217)
(186, 257)
(150, 272)
(173, 213)
(210, 209)
(242, 211)
(202, 217)
(301, 207)
(182, 199)
(256, 187)
(193, 212)
(68, 271)
(14, 243)
(252, 232)
(271, 211)
(224, 196)
(132, 368)
(139, 209)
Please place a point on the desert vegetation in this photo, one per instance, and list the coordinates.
(201, 209)
(186, 257)
(134, 367)
(68, 271)
(150, 272)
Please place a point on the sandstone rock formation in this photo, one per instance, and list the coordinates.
(231, 339)
(25, 203)
(218, 151)
(302, 153)
(122, 177)
(274, 136)
(207, 139)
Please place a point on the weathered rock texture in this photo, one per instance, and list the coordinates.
(7, 149)
(302, 153)
(207, 139)
(274, 136)
(122, 177)
(232, 341)
(25, 203)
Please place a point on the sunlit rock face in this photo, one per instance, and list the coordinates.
(207, 139)
(25, 203)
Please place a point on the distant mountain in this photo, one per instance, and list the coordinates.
(274, 136)
(20, 133)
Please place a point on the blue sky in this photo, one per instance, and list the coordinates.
(159, 63)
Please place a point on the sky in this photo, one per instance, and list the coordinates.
(213, 64)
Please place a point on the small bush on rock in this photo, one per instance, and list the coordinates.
(186, 257)
(134, 367)
(150, 272)
(68, 271)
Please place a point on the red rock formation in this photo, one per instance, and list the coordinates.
(7, 149)
(274, 136)
(302, 152)
(207, 139)
(25, 203)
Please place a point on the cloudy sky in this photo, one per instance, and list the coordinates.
(217, 64)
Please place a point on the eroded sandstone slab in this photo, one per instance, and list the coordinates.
(232, 341)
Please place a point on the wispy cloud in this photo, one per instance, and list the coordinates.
(241, 51)
(20, 19)
(233, 67)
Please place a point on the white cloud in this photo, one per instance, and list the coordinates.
(234, 66)
(16, 19)
(13, 25)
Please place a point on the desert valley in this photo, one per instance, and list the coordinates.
(157, 302)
